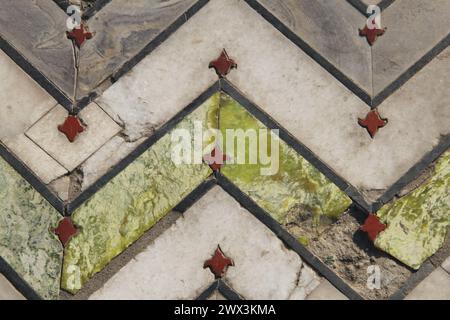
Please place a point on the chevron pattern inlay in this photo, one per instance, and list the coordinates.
(93, 205)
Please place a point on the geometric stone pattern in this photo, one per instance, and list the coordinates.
(215, 219)
(300, 67)
(419, 222)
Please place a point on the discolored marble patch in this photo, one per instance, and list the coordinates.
(418, 222)
(295, 192)
(130, 204)
(26, 242)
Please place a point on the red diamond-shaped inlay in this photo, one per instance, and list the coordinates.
(223, 64)
(216, 159)
(218, 264)
(71, 128)
(372, 226)
(373, 122)
(65, 231)
(371, 34)
(79, 35)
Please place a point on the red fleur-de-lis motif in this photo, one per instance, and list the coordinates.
(65, 230)
(216, 159)
(373, 226)
(218, 264)
(223, 64)
(371, 34)
(71, 127)
(79, 35)
(373, 122)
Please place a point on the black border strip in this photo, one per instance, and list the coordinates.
(28, 175)
(228, 292)
(93, 10)
(195, 195)
(335, 72)
(286, 237)
(411, 71)
(425, 270)
(152, 45)
(161, 132)
(316, 56)
(17, 281)
(35, 74)
(412, 173)
(301, 149)
(90, 12)
(362, 7)
(209, 291)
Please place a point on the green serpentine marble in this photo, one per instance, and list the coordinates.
(419, 222)
(26, 241)
(131, 203)
(298, 189)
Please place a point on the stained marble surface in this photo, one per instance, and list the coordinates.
(296, 191)
(129, 205)
(37, 29)
(419, 222)
(122, 31)
(330, 28)
(26, 241)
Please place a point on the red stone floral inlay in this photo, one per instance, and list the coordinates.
(71, 128)
(373, 122)
(223, 64)
(371, 34)
(216, 159)
(65, 231)
(79, 35)
(372, 226)
(218, 264)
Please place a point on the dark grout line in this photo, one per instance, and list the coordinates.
(209, 291)
(316, 56)
(287, 238)
(228, 292)
(152, 45)
(35, 182)
(141, 148)
(35, 74)
(301, 149)
(195, 195)
(335, 72)
(362, 7)
(17, 281)
(91, 10)
(413, 173)
(425, 270)
(413, 70)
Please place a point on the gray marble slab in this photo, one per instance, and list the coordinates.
(121, 32)
(414, 27)
(331, 28)
(37, 30)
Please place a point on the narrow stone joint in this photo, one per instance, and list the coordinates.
(65, 230)
(223, 65)
(218, 264)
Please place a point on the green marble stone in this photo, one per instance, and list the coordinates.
(297, 191)
(132, 202)
(418, 222)
(26, 240)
